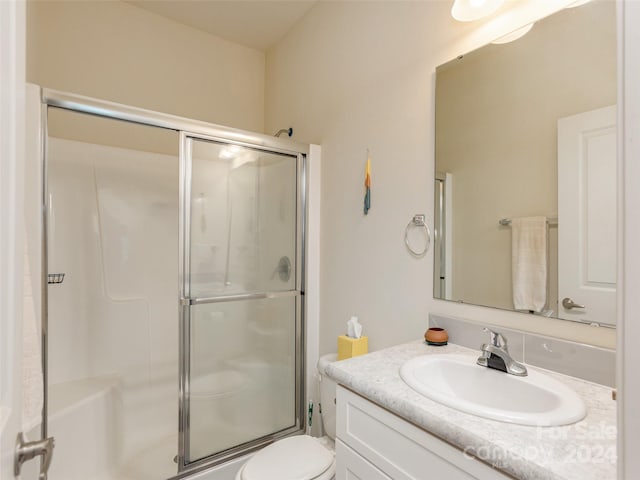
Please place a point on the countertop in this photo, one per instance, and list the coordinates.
(584, 450)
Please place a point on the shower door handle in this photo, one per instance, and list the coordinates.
(568, 303)
(27, 450)
(186, 302)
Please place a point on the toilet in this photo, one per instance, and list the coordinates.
(301, 457)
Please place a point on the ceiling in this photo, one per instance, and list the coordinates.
(257, 24)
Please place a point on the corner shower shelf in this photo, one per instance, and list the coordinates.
(54, 278)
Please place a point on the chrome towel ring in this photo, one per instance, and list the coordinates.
(418, 221)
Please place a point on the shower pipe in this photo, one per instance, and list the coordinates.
(288, 131)
(188, 129)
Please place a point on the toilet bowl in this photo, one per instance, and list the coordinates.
(301, 457)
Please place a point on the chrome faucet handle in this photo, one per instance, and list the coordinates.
(497, 339)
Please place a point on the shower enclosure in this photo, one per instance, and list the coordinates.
(442, 260)
(173, 290)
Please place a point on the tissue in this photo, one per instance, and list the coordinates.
(354, 329)
(353, 343)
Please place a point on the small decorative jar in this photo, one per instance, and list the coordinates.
(436, 336)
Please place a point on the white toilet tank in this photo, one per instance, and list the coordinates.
(327, 395)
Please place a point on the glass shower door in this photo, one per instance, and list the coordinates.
(242, 303)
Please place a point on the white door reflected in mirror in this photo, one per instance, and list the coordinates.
(587, 216)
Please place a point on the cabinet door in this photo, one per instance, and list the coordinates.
(351, 466)
(401, 450)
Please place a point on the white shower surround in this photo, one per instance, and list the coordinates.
(113, 350)
(113, 323)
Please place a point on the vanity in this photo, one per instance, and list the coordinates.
(387, 430)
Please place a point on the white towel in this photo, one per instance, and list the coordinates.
(529, 263)
(32, 383)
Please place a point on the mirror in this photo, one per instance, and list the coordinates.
(525, 208)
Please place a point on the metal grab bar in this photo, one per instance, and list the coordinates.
(241, 296)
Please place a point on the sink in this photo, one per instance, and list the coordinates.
(458, 382)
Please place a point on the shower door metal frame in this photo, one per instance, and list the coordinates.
(442, 270)
(186, 301)
(188, 128)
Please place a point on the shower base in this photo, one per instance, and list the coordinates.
(81, 418)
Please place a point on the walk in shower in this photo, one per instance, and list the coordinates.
(173, 315)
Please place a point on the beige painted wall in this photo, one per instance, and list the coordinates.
(350, 75)
(497, 134)
(355, 76)
(358, 75)
(115, 51)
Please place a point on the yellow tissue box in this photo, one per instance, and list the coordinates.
(352, 347)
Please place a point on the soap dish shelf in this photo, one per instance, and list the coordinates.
(55, 278)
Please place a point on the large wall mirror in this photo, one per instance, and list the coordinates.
(526, 170)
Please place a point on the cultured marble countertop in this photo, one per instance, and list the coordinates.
(584, 450)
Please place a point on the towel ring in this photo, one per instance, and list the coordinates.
(417, 221)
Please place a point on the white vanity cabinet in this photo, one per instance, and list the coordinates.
(373, 443)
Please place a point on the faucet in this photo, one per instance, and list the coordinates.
(496, 355)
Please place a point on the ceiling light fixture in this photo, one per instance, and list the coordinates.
(470, 10)
(516, 34)
(577, 3)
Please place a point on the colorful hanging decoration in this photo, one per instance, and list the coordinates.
(367, 185)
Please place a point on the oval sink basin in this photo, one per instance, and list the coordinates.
(458, 382)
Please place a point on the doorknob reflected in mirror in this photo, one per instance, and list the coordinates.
(568, 303)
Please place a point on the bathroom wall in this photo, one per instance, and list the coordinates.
(358, 75)
(115, 51)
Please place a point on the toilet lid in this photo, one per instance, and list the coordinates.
(292, 458)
